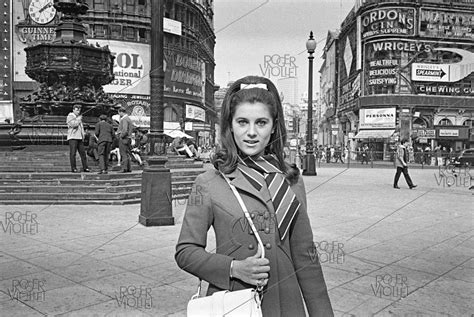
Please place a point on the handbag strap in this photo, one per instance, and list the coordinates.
(247, 215)
(249, 219)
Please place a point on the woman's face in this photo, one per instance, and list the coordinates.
(252, 126)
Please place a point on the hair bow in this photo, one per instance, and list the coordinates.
(249, 86)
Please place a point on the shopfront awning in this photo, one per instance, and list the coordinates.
(374, 134)
(177, 134)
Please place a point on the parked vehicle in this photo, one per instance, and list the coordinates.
(466, 158)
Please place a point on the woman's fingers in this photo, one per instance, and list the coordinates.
(260, 276)
(261, 269)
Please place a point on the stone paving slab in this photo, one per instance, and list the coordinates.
(87, 255)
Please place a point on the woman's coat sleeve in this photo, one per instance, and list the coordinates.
(306, 262)
(191, 255)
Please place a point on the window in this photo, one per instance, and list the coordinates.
(98, 4)
(129, 33)
(99, 31)
(130, 6)
(115, 31)
(142, 35)
(467, 123)
(445, 121)
(170, 115)
(419, 124)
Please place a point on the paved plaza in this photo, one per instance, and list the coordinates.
(385, 252)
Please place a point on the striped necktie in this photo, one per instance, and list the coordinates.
(264, 170)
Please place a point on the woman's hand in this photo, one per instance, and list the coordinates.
(253, 270)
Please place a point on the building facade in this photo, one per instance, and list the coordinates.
(328, 91)
(125, 26)
(406, 71)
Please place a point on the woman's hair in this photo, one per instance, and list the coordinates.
(252, 89)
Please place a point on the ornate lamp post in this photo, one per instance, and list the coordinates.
(310, 169)
(156, 208)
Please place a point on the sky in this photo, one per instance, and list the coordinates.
(248, 30)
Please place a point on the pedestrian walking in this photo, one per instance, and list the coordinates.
(338, 155)
(251, 159)
(323, 155)
(365, 155)
(428, 155)
(124, 133)
(401, 162)
(438, 154)
(104, 132)
(75, 138)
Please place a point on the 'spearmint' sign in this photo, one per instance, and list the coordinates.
(447, 72)
(430, 72)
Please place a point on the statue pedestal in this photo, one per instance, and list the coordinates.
(156, 204)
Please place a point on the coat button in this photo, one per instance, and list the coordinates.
(268, 246)
(267, 230)
(252, 215)
(250, 246)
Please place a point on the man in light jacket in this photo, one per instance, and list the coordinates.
(75, 137)
(401, 162)
(124, 133)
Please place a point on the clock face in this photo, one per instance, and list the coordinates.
(42, 11)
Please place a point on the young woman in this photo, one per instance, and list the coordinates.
(251, 157)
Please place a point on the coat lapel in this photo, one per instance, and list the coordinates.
(239, 181)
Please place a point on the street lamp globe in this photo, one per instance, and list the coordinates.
(311, 43)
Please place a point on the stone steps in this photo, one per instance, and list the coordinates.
(53, 197)
(76, 202)
(41, 177)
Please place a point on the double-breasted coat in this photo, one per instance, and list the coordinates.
(293, 271)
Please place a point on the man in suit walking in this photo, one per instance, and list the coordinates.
(401, 162)
(105, 134)
(75, 137)
(124, 133)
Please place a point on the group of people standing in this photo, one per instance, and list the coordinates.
(104, 137)
(332, 154)
(438, 156)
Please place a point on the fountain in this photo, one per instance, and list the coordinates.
(70, 71)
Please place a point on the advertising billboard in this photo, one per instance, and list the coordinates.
(420, 67)
(446, 24)
(131, 67)
(184, 75)
(388, 21)
(377, 118)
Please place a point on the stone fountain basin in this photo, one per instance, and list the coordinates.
(53, 62)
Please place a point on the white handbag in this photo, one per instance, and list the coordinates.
(242, 303)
